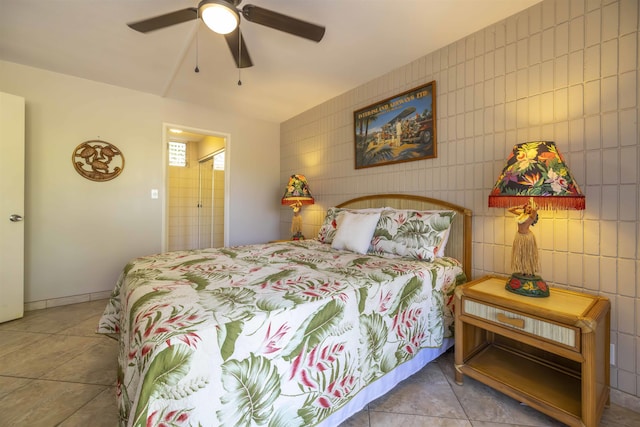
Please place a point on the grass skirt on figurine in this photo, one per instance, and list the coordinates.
(524, 255)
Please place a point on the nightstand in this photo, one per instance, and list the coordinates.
(549, 353)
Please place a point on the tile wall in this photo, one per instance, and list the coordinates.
(563, 70)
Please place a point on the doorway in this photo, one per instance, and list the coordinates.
(195, 189)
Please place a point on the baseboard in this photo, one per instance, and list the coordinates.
(625, 400)
(74, 299)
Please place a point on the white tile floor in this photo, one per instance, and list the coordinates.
(55, 371)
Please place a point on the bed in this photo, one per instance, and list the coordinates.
(294, 333)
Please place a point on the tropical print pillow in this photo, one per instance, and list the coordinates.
(413, 234)
(329, 226)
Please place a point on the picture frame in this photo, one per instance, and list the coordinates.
(401, 128)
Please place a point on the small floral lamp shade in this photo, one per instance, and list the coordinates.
(535, 176)
(297, 191)
(536, 170)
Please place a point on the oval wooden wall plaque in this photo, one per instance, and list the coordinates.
(98, 160)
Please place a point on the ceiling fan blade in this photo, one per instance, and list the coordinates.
(166, 20)
(282, 22)
(239, 52)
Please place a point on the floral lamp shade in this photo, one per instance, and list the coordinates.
(296, 194)
(297, 190)
(535, 176)
(536, 170)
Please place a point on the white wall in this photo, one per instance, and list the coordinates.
(565, 71)
(80, 233)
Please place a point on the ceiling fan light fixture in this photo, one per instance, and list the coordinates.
(219, 15)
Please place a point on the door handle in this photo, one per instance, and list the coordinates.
(15, 218)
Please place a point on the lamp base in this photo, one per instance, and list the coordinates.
(297, 236)
(528, 286)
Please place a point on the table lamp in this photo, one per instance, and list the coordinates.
(535, 177)
(295, 195)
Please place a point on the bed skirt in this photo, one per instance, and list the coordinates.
(385, 384)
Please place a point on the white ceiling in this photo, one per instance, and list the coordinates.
(364, 39)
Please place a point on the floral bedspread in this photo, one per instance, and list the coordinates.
(281, 334)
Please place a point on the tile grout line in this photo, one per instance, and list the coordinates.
(82, 406)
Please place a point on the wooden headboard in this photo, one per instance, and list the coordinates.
(459, 244)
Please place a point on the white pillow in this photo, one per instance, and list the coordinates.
(329, 226)
(355, 231)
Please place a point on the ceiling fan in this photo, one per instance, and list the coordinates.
(214, 12)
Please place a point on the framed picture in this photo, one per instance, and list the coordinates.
(398, 129)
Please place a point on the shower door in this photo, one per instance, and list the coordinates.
(211, 201)
(205, 203)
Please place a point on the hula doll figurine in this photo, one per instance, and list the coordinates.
(524, 255)
(296, 224)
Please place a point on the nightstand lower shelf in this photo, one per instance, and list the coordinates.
(525, 379)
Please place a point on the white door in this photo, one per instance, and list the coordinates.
(11, 207)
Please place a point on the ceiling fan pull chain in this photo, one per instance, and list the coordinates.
(197, 70)
(239, 56)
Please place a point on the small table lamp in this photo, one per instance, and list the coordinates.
(535, 176)
(295, 195)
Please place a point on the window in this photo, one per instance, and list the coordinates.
(177, 153)
(218, 161)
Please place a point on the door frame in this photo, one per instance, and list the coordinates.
(165, 176)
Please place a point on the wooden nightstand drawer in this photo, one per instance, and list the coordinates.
(556, 333)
